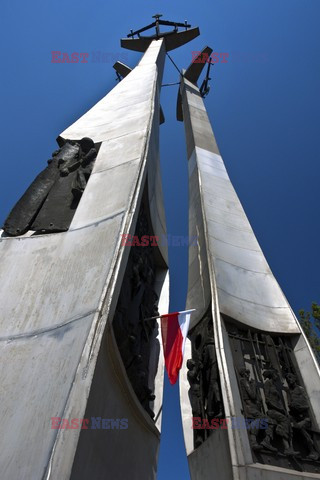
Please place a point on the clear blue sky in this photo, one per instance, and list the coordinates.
(264, 105)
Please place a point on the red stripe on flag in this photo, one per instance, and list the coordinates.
(172, 344)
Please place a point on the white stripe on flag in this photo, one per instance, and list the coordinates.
(184, 322)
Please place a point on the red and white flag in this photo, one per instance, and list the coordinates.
(174, 329)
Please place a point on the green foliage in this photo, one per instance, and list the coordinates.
(310, 323)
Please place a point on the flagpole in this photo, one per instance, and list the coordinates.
(152, 318)
(166, 315)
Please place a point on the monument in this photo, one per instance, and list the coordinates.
(250, 388)
(82, 360)
(82, 369)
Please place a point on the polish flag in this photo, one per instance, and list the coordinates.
(174, 330)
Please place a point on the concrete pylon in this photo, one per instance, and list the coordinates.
(250, 361)
(60, 292)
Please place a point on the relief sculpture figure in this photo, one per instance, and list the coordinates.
(299, 411)
(253, 410)
(49, 203)
(277, 414)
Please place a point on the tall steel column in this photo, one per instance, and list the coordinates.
(76, 343)
(244, 336)
(58, 296)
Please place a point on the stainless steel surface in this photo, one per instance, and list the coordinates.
(228, 270)
(59, 291)
(246, 287)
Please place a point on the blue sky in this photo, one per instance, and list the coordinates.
(264, 105)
